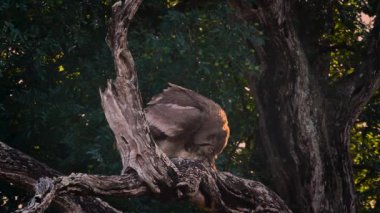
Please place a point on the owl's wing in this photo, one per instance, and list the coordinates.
(173, 113)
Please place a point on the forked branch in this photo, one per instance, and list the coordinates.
(121, 101)
(214, 191)
(358, 87)
(24, 171)
(146, 169)
(48, 189)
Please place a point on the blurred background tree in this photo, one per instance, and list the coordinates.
(53, 59)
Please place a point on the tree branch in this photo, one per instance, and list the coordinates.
(357, 88)
(24, 171)
(83, 184)
(214, 191)
(248, 195)
(122, 105)
(145, 168)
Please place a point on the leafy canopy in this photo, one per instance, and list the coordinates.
(53, 59)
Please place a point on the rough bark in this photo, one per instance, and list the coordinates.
(304, 124)
(122, 105)
(48, 189)
(222, 191)
(146, 170)
(24, 171)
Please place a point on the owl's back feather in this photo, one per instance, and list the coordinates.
(184, 123)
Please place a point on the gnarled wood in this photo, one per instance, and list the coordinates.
(48, 189)
(122, 106)
(24, 171)
(218, 191)
(146, 170)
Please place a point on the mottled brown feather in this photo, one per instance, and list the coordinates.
(186, 124)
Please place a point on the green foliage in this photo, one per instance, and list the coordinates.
(338, 37)
(346, 37)
(53, 59)
(49, 82)
(365, 149)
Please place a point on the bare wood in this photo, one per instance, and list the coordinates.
(121, 101)
(307, 154)
(146, 170)
(24, 171)
(221, 191)
(83, 184)
(122, 105)
(248, 195)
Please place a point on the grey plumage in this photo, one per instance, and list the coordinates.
(186, 124)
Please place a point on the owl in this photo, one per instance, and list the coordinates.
(188, 125)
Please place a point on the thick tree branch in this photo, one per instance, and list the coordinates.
(248, 195)
(146, 170)
(294, 120)
(83, 184)
(218, 191)
(122, 105)
(274, 18)
(304, 125)
(357, 88)
(24, 171)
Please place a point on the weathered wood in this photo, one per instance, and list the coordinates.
(247, 195)
(24, 171)
(121, 101)
(211, 190)
(303, 131)
(146, 170)
(48, 189)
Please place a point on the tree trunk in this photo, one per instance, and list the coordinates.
(305, 122)
(306, 149)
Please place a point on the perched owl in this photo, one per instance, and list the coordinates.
(188, 125)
